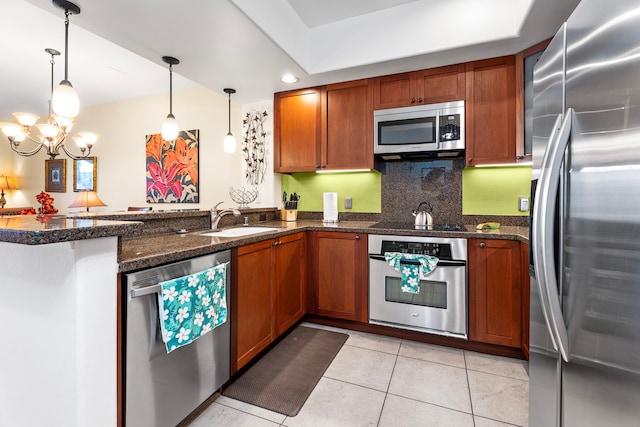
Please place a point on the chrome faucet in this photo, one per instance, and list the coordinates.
(216, 216)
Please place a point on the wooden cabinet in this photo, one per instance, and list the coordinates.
(495, 292)
(347, 126)
(339, 282)
(289, 281)
(324, 128)
(268, 294)
(297, 130)
(526, 296)
(434, 85)
(490, 111)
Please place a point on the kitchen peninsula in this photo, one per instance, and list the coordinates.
(60, 292)
(58, 304)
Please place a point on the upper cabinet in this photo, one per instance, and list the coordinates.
(442, 84)
(491, 111)
(347, 126)
(297, 130)
(324, 128)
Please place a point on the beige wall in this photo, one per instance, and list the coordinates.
(120, 151)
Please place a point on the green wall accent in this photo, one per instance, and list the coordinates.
(495, 190)
(363, 187)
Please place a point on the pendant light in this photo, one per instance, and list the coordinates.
(229, 140)
(65, 101)
(170, 125)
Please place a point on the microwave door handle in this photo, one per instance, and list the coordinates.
(438, 130)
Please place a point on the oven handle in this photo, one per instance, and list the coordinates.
(441, 263)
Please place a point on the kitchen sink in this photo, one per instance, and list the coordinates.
(239, 231)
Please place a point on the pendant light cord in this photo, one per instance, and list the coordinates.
(171, 89)
(229, 112)
(66, 44)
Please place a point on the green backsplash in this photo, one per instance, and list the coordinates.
(363, 187)
(495, 190)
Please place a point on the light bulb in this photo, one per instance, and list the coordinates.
(63, 122)
(26, 119)
(170, 128)
(229, 143)
(89, 138)
(11, 130)
(80, 142)
(65, 100)
(47, 130)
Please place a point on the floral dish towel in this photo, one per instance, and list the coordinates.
(411, 266)
(190, 306)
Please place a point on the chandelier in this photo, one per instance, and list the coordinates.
(63, 108)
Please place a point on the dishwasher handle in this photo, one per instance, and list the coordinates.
(147, 290)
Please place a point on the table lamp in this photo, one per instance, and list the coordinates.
(5, 184)
(87, 199)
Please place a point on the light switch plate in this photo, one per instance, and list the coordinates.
(523, 204)
(348, 203)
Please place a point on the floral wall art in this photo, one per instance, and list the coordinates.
(172, 168)
(254, 147)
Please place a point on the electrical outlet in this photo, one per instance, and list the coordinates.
(348, 202)
(523, 204)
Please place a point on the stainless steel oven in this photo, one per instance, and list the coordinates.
(440, 307)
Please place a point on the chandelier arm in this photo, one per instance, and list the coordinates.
(73, 156)
(26, 153)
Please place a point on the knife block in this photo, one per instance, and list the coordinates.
(288, 215)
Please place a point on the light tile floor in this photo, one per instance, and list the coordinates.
(387, 382)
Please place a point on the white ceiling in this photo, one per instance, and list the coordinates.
(116, 46)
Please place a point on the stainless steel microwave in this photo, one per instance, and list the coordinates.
(430, 131)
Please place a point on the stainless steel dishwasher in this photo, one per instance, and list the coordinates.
(162, 389)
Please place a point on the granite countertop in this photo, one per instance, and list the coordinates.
(149, 251)
(31, 230)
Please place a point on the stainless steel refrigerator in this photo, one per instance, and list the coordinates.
(585, 225)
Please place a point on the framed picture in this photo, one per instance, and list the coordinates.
(172, 168)
(55, 173)
(84, 174)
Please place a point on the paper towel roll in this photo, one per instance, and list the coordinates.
(330, 205)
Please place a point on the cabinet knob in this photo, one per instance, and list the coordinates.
(277, 243)
(420, 100)
(318, 166)
(413, 100)
(482, 245)
(357, 237)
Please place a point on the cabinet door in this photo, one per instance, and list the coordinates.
(289, 280)
(340, 276)
(526, 282)
(392, 91)
(251, 315)
(348, 126)
(490, 111)
(297, 130)
(495, 309)
(442, 84)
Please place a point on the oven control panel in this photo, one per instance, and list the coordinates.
(440, 250)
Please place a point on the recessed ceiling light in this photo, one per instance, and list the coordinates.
(288, 78)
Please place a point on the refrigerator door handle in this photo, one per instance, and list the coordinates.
(546, 242)
(537, 229)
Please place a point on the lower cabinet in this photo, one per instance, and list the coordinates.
(526, 295)
(495, 292)
(268, 294)
(338, 283)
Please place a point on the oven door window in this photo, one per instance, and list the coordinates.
(407, 132)
(432, 293)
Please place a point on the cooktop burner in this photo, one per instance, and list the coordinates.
(410, 226)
